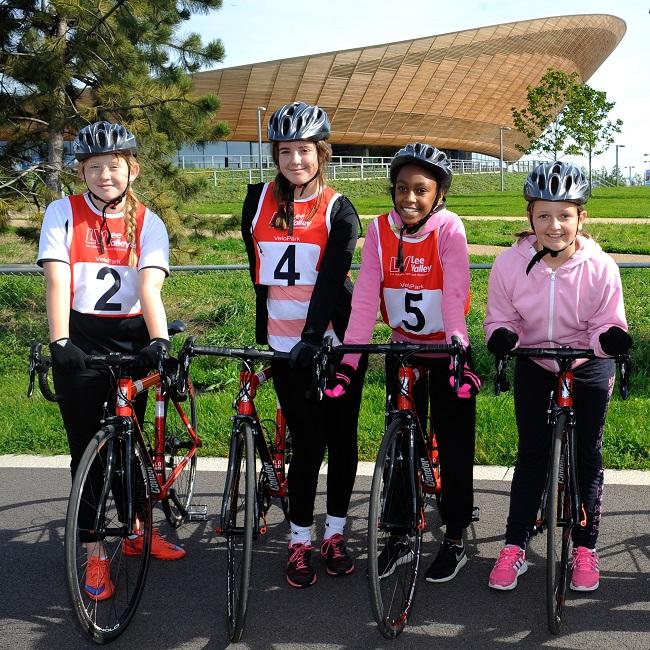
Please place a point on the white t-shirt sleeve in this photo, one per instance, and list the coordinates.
(154, 243)
(56, 233)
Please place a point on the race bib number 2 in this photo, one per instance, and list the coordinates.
(103, 289)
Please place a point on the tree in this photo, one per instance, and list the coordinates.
(542, 120)
(64, 64)
(587, 123)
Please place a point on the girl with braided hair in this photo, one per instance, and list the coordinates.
(105, 257)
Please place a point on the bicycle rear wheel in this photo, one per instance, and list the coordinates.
(394, 533)
(559, 522)
(96, 524)
(177, 443)
(238, 516)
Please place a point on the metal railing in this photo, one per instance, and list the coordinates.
(341, 167)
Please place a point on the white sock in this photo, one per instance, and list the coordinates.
(334, 526)
(300, 534)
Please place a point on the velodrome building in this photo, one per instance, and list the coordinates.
(454, 90)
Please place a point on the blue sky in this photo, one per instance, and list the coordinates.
(275, 29)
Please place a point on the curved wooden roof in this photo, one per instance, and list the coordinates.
(454, 90)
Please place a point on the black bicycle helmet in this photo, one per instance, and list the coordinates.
(424, 155)
(101, 138)
(557, 181)
(299, 121)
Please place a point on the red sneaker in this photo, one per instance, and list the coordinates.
(161, 549)
(99, 585)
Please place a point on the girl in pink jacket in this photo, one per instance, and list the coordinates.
(415, 271)
(555, 286)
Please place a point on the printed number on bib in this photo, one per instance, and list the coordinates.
(103, 303)
(286, 268)
(410, 308)
(285, 263)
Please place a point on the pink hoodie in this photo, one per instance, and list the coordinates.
(572, 305)
(452, 245)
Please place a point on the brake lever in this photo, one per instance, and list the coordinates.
(458, 362)
(501, 383)
(624, 375)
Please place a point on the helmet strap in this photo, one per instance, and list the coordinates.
(113, 203)
(411, 230)
(539, 254)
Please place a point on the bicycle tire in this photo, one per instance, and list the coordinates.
(392, 596)
(177, 442)
(238, 517)
(559, 523)
(101, 476)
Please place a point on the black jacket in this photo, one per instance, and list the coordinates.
(332, 296)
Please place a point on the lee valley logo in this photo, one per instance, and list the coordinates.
(411, 265)
(299, 220)
(92, 239)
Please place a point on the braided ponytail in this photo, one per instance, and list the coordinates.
(130, 210)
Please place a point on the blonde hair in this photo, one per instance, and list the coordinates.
(130, 208)
(283, 190)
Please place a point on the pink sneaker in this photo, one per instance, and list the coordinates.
(510, 564)
(585, 576)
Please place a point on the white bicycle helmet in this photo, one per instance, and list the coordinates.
(101, 138)
(557, 181)
(426, 156)
(299, 121)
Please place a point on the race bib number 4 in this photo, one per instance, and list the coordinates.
(105, 290)
(288, 263)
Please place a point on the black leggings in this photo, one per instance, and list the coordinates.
(316, 426)
(82, 407)
(454, 421)
(592, 389)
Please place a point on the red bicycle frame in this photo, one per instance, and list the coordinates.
(249, 382)
(406, 377)
(127, 390)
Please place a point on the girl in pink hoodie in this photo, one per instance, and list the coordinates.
(415, 270)
(556, 287)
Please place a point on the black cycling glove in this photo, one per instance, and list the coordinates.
(502, 341)
(66, 356)
(615, 341)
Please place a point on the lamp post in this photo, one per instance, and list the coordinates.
(260, 110)
(618, 146)
(501, 130)
(629, 173)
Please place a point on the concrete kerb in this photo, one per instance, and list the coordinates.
(212, 464)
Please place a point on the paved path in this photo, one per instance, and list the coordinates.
(182, 606)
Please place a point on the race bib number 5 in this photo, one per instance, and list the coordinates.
(414, 311)
(288, 263)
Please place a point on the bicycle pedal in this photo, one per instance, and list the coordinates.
(197, 513)
(476, 513)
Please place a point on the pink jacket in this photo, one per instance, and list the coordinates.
(452, 244)
(572, 305)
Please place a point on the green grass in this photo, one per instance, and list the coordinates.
(470, 195)
(219, 309)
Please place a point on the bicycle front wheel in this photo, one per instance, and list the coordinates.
(238, 516)
(559, 522)
(394, 532)
(178, 442)
(104, 583)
